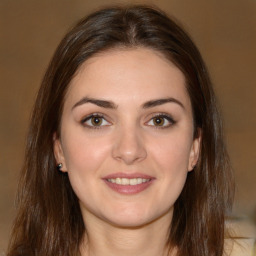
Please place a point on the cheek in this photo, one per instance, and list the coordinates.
(172, 158)
(84, 154)
(172, 154)
(84, 158)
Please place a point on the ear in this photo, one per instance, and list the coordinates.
(58, 153)
(195, 151)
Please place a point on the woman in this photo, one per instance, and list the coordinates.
(127, 113)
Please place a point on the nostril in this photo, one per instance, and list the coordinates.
(129, 149)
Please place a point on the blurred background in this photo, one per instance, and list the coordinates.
(225, 33)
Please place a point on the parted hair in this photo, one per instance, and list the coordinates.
(49, 220)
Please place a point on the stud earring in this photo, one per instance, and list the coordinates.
(59, 166)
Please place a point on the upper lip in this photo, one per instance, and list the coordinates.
(127, 175)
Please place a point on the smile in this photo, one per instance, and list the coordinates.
(128, 184)
(126, 181)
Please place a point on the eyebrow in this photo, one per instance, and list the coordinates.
(158, 102)
(112, 105)
(98, 102)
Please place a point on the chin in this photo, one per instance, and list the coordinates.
(137, 219)
(129, 223)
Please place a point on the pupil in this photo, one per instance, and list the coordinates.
(158, 121)
(96, 120)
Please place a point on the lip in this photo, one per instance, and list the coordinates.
(128, 189)
(127, 175)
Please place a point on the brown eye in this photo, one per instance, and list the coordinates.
(96, 121)
(158, 121)
(161, 121)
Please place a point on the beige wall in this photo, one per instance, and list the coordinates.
(225, 32)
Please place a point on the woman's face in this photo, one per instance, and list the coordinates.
(127, 137)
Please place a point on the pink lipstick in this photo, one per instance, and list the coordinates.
(128, 183)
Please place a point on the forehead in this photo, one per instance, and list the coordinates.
(137, 73)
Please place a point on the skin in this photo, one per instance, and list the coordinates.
(128, 140)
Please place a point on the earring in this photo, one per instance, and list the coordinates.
(59, 166)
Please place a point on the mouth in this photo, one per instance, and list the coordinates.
(126, 181)
(128, 184)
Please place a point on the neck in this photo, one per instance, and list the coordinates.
(106, 239)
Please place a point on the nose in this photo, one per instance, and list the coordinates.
(129, 147)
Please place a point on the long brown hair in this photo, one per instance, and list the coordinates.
(49, 220)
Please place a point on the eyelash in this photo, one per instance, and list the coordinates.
(95, 115)
(102, 118)
(167, 117)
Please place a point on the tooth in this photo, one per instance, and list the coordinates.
(139, 180)
(125, 181)
(118, 181)
(133, 182)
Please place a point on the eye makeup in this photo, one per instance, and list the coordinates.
(95, 121)
(99, 121)
(161, 121)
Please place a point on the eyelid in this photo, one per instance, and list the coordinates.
(166, 116)
(90, 116)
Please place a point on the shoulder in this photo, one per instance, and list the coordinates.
(243, 242)
(240, 247)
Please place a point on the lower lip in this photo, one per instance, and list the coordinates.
(129, 189)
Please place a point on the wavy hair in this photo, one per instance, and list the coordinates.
(49, 220)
